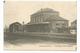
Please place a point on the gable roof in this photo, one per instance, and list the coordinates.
(75, 21)
(15, 23)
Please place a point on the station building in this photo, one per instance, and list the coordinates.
(47, 20)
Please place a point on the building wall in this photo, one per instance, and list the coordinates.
(73, 28)
(74, 24)
(42, 16)
(38, 28)
(59, 26)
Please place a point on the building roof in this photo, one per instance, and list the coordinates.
(39, 23)
(55, 18)
(45, 10)
(15, 23)
(75, 21)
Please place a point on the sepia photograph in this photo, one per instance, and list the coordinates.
(40, 25)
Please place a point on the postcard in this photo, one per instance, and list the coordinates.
(40, 25)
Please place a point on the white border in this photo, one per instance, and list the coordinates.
(40, 0)
(78, 26)
(1, 26)
(78, 30)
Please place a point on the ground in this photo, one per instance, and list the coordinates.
(39, 41)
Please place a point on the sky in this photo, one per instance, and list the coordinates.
(19, 11)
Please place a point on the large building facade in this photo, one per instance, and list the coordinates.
(47, 20)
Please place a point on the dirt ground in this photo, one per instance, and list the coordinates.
(13, 41)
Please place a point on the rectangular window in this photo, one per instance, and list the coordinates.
(57, 24)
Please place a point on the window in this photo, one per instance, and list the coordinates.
(57, 24)
(63, 24)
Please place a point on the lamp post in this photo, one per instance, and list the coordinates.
(23, 26)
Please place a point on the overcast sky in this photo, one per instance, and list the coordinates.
(19, 11)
